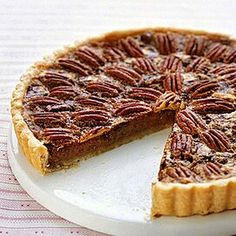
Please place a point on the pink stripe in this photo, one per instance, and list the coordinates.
(28, 200)
(12, 191)
(31, 218)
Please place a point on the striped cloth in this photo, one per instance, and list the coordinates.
(31, 29)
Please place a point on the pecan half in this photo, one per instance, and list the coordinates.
(202, 89)
(230, 55)
(195, 45)
(165, 43)
(171, 63)
(216, 52)
(210, 170)
(90, 57)
(182, 145)
(190, 122)
(105, 88)
(42, 100)
(132, 108)
(91, 117)
(144, 65)
(127, 76)
(216, 140)
(58, 135)
(131, 46)
(144, 93)
(47, 119)
(177, 173)
(173, 82)
(228, 74)
(74, 66)
(63, 92)
(91, 100)
(198, 65)
(52, 79)
(93, 132)
(113, 54)
(213, 105)
(168, 100)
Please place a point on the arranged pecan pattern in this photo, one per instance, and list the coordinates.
(216, 52)
(199, 65)
(211, 104)
(190, 122)
(90, 57)
(171, 63)
(144, 65)
(195, 45)
(182, 145)
(165, 43)
(131, 47)
(127, 76)
(132, 108)
(144, 93)
(202, 89)
(74, 66)
(173, 82)
(216, 140)
(95, 87)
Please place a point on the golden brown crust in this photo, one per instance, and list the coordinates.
(168, 199)
(195, 198)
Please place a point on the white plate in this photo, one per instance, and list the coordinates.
(111, 193)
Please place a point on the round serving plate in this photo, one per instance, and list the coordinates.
(111, 193)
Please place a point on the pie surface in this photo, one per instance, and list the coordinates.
(104, 92)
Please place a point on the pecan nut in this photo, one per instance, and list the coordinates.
(131, 47)
(127, 76)
(144, 93)
(213, 105)
(144, 65)
(168, 100)
(216, 140)
(113, 54)
(182, 145)
(132, 108)
(165, 43)
(190, 122)
(202, 89)
(172, 64)
(74, 66)
(58, 135)
(230, 55)
(216, 52)
(195, 45)
(173, 82)
(106, 89)
(90, 57)
(63, 92)
(198, 65)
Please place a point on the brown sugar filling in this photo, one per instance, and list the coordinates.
(107, 93)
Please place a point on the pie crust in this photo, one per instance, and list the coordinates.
(179, 199)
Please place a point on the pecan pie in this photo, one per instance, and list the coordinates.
(107, 91)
